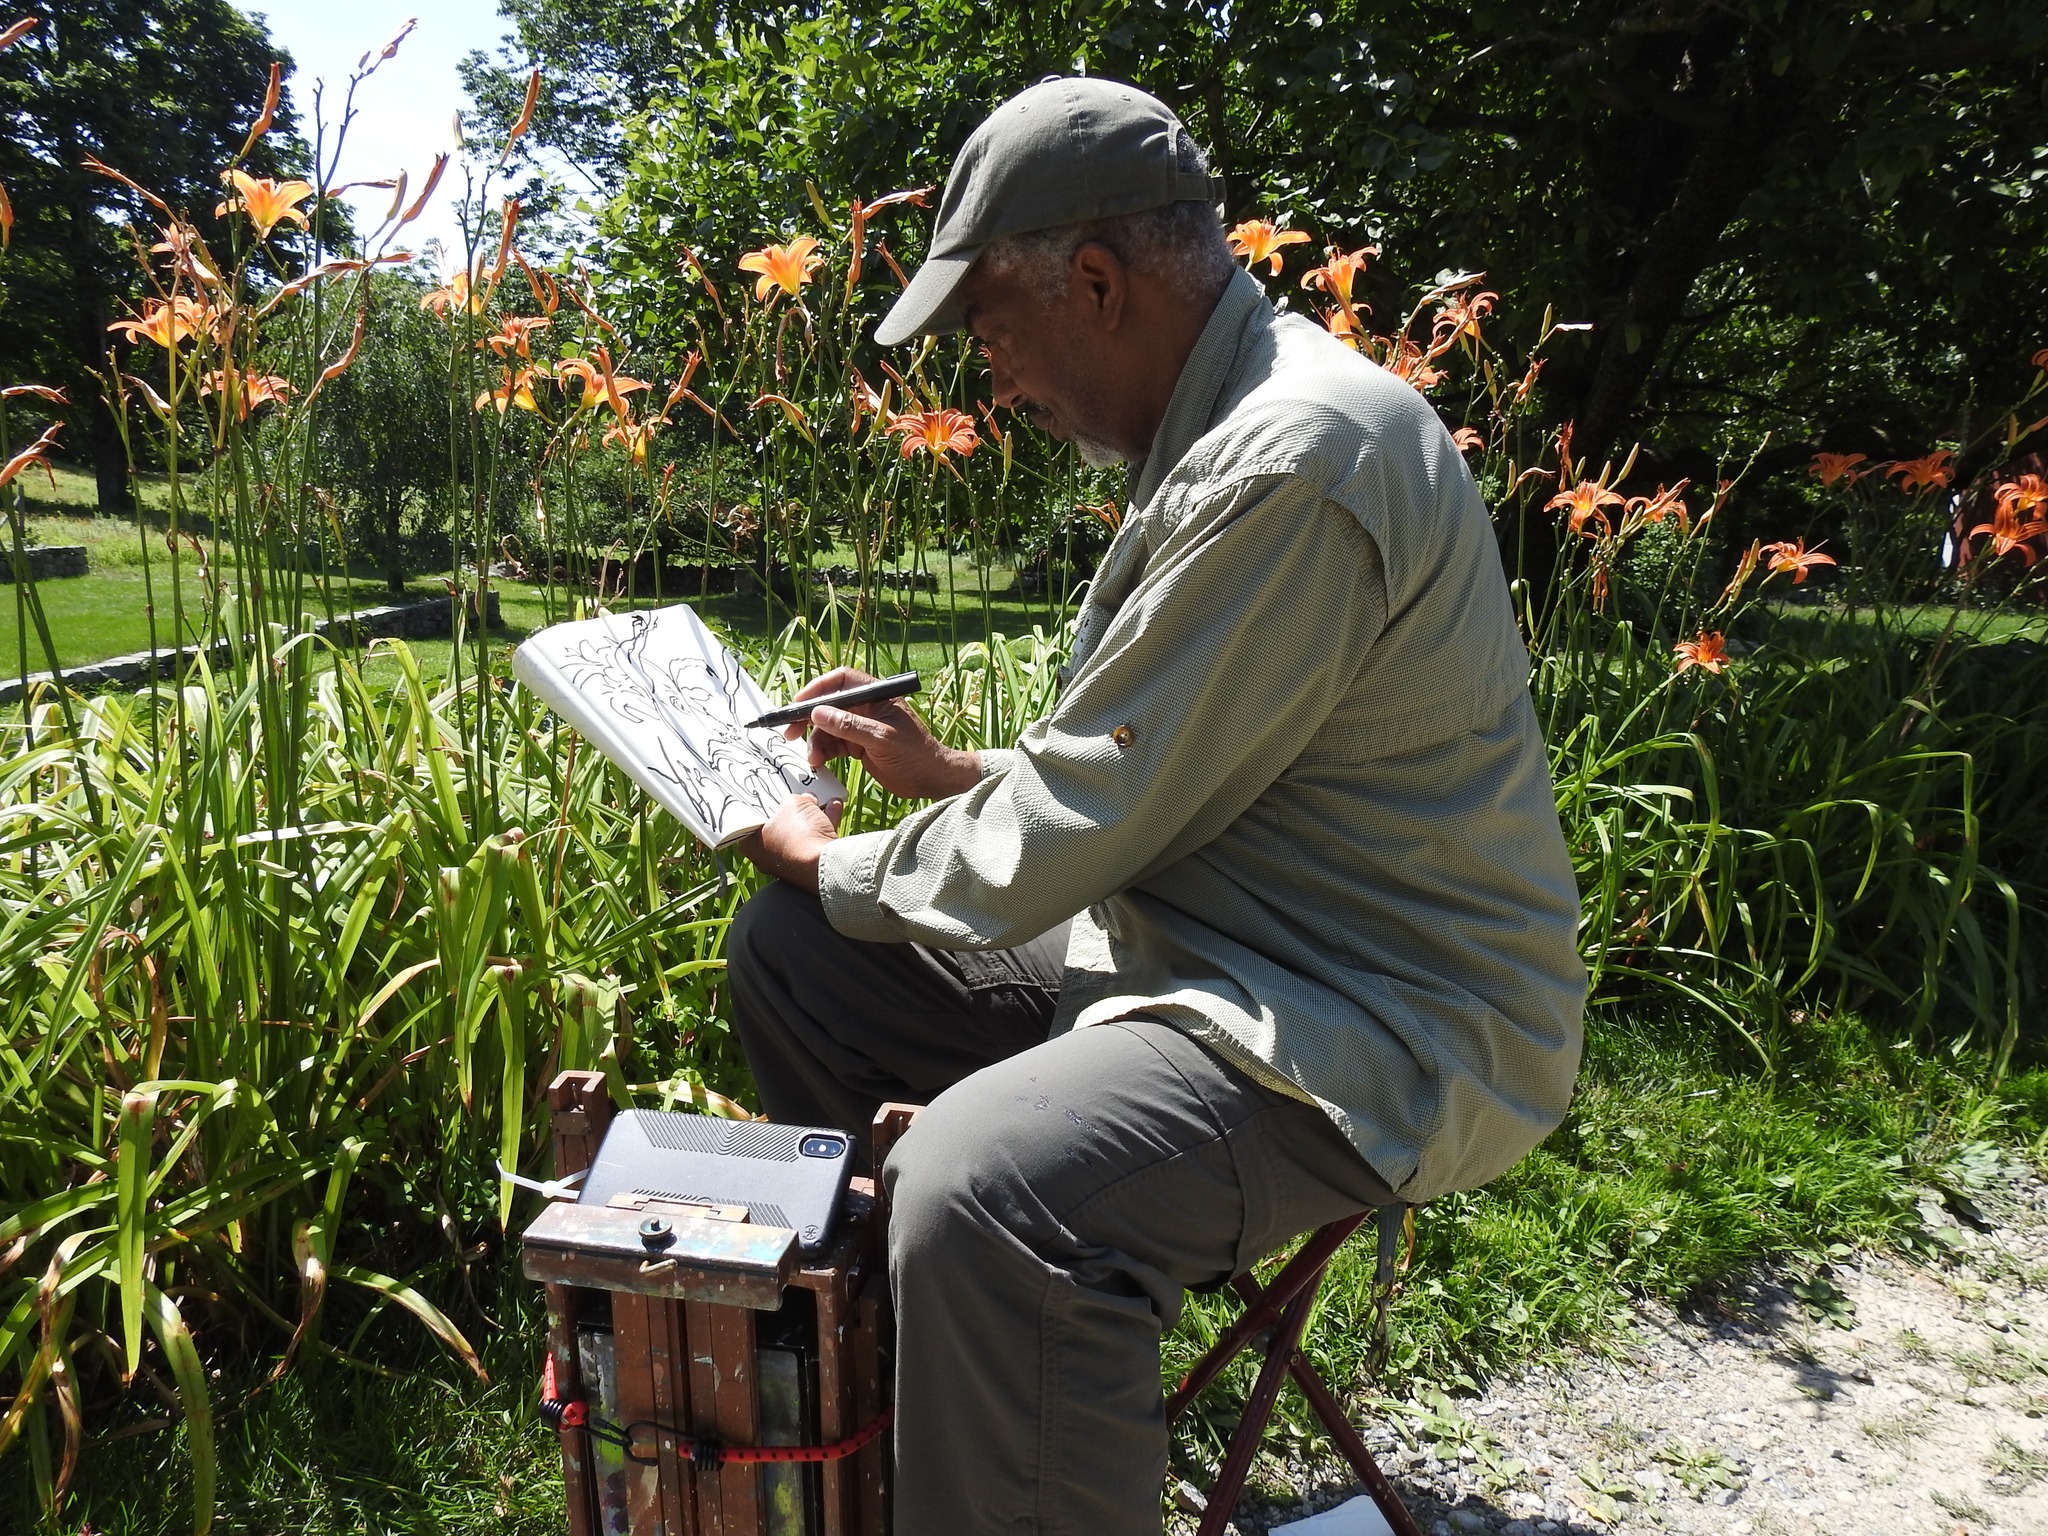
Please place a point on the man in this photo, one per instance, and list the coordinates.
(1268, 921)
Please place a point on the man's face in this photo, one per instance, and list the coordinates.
(1042, 359)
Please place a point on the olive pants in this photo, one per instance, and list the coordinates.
(1050, 1207)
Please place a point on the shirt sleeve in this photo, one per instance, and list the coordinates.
(1248, 626)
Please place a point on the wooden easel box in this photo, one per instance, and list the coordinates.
(684, 1340)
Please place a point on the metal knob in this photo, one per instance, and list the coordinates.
(656, 1233)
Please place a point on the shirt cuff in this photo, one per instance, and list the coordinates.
(850, 886)
(996, 760)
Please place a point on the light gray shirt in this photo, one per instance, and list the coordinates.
(1294, 786)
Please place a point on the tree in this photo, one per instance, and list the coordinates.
(162, 90)
(1820, 221)
(383, 430)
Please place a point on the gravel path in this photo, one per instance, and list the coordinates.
(1880, 1396)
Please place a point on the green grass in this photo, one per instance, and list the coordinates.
(331, 1449)
(75, 491)
(1986, 625)
(105, 613)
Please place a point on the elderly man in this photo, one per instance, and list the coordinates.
(1267, 922)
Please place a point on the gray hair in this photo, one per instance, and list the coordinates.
(1180, 243)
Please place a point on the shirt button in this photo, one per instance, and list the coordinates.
(1123, 736)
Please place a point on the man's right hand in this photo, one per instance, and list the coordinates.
(887, 738)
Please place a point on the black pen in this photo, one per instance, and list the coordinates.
(896, 687)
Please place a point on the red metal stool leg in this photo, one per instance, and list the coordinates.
(1280, 1312)
(1258, 1409)
(1304, 1269)
(1331, 1412)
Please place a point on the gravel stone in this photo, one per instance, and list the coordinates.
(1948, 1359)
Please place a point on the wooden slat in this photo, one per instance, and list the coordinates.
(876, 1460)
(738, 1416)
(835, 1404)
(633, 1343)
(668, 1364)
(581, 1111)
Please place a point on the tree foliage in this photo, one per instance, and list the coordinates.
(1811, 220)
(165, 90)
(384, 431)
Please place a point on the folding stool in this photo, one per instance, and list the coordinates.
(1275, 1315)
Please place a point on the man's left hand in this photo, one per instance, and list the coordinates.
(789, 845)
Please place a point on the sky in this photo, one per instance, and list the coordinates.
(405, 111)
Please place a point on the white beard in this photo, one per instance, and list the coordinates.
(1097, 453)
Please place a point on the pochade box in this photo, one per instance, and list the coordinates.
(717, 1323)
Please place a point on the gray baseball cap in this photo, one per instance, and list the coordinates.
(1063, 152)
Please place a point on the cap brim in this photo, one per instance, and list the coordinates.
(929, 306)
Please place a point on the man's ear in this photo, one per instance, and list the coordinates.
(1099, 276)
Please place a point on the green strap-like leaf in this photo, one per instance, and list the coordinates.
(131, 1214)
(168, 1324)
(435, 1319)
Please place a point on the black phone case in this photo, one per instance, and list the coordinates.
(785, 1175)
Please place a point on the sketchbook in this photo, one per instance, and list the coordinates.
(657, 693)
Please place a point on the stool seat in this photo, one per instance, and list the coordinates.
(1275, 1314)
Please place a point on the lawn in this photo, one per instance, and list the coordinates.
(106, 612)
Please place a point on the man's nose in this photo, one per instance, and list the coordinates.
(1002, 388)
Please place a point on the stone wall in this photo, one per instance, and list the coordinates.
(407, 621)
(45, 561)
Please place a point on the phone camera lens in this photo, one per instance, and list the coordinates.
(822, 1146)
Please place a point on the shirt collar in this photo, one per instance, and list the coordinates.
(1191, 411)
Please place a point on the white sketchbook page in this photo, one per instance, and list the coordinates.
(657, 693)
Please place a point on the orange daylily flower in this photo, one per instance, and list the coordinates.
(1339, 271)
(1467, 438)
(465, 290)
(633, 436)
(937, 432)
(517, 389)
(1529, 380)
(1830, 467)
(1410, 364)
(2040, 359)
(1709, 652)
(2009, 535)
(181, 243)
(168, 322)
(1459, 316)
(1796, 558)
(37, 452)
(1258, 240)
(599, 380)
(1585, 503)
(2029, 493)
(516, 335)
(784, 268)
(1930, 472)
(1654, 509)
(1343, 324)
(49, 392)
(267, 203)
(250, 389)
